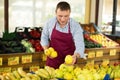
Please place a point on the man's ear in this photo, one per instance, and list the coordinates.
(55, 13)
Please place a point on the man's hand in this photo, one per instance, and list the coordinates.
(85, 56)
(75, 56)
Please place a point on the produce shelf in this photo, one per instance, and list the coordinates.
(36, 60)
(112, 54)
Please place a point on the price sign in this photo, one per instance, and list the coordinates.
(99, 53)
(13, 60)
(34, 68)
(91, 54)
(44, 57)
(112, 52)
(1, 70)
(91, 62)
(7, 69)
(27, 59)
(105, 62)
(0, 61)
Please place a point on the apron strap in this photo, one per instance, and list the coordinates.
(68, 26)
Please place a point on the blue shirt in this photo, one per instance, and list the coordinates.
(75, 28)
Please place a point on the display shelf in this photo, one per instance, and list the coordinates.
(90, 28)
(112, 54)
(35, 60)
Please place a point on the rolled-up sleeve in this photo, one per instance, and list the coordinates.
(79, 40)
(46, 32)
(45, 36)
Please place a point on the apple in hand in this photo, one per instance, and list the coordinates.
(69, 59)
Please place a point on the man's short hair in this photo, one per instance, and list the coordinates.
(63, 6)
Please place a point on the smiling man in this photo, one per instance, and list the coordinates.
(64, 34)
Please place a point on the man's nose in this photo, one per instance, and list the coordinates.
(63, 19)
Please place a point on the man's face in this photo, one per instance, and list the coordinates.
(62, 16)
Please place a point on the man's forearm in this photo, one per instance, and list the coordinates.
(45, 47)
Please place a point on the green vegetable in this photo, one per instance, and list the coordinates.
(9, 36)
(90, 44)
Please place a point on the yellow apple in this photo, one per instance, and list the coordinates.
(96, 76)
(81, 77)
(51, 49)
(77, 71)
(105, 63)
(53, 54)
(68, 59)
(70, 68)
(117, 79)
(58, 73)
(63, 67)
(68, 76)
(47, 52)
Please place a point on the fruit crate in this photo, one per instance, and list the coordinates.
(92, 33)
(101, 39)
(90, 28)
(98, 55)
(11, 61)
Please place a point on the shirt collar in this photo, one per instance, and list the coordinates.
(66, 24)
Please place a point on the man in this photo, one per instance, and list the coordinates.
(63, 34)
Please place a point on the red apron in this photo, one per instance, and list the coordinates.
(63, 43)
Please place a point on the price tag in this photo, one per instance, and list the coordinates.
(27, 59)
(1, 70)
(105, 62)
(99, 53)
(34, 68)
(13, 60)
(0, 61)
(7, 69)
(91, 62)
(112, 52)
(91, 54)
(44, 57)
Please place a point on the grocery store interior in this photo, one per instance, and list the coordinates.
(14, 13)
(100, 20)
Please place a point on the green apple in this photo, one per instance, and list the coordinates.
(63, 67)
(70, 68)
(81, 77)
(68, 76)
(96, 76)
(58, 73)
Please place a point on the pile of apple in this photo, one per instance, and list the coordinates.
(103, 40)
(90, 71)
(50, 52)
(67, 71)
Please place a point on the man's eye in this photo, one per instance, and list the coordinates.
(60, 16)
(66, 16)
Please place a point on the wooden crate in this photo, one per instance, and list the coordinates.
(90, 28)
(107, 54)
(36, 60)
